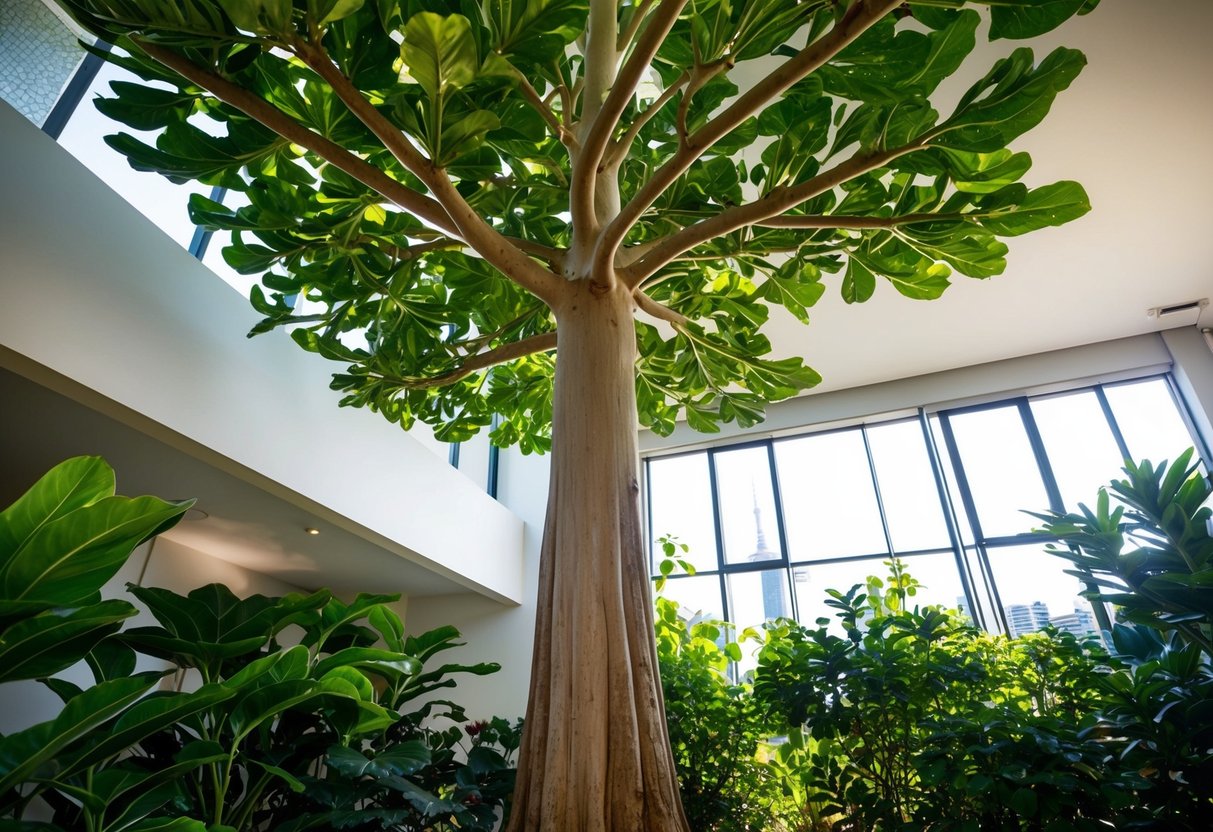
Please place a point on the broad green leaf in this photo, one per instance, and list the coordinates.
(386, 663)
(295, 784)
(55, 640)
(155, 713)
(1030, 18)
(65, 560)
(263, 17)
(76, 483)
(858, 284)
(389, 626)
(1013, 98)
(402, 759)
(1050, 205)
(439, 52)
(330, 11)
(23, 753)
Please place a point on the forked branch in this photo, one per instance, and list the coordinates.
(658, 310)
(760, 211)
(482, 237)
(857, 20)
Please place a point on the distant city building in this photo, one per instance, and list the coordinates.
(1081, 622)
(1030, 618)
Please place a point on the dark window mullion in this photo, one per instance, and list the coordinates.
(1042, 458)
(1113, 425)
(949, 515)
(1185, 416)
(718, 531)
(966, 499)
(65, 107)
(884, 520)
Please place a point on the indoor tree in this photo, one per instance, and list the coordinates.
(440, 190)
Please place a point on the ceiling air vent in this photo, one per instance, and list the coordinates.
(1176, 313)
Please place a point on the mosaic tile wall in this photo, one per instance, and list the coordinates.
(38, 54)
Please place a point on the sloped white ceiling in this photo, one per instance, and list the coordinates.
(1136, 129)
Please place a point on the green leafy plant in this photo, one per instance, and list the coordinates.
(718, 731)
(1151, 554)
(458, 187)
(59, 543)
(309, 712)
(906, 718)
(1151, 557)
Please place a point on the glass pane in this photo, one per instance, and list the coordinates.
(1001, 469)
(680, 504)
(698, 596)
(474, 459)
(949, 477)
(747, 505)
(757, 597)
(155, 197)
(1035, 590)
(907, 487)
(1149, 420)
(829, 502)
(1081, 449)
(811, 583)
(939, 583)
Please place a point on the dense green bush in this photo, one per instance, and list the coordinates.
(887, 716)
(718, 731)
(1150, 553)
(334, 732)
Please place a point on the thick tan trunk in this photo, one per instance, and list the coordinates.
(595, 754)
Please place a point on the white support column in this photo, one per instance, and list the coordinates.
(1192, 357)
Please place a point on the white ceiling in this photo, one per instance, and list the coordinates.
(1136, 129)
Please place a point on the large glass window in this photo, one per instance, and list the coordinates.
(773, 524)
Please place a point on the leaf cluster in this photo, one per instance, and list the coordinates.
(364, 263)
(243, 731)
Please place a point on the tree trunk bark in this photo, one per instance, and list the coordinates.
(595, 754)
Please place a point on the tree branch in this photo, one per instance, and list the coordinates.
(596, 137)
(598, 70)
(619, 149)
(754, 213)
(847, 221)
(640, 10)
(658, 310)
(482, 237)
(540, 106)
(857, 19)
(543, 342)
(270, 116)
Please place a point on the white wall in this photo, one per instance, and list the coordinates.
(90, 290)
(494, 633)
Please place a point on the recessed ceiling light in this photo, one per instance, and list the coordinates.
(310, 530)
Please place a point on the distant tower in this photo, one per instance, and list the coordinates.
(773, 604)
(1040, 615)
(1019, 620)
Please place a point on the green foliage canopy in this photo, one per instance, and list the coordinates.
(735, 197)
